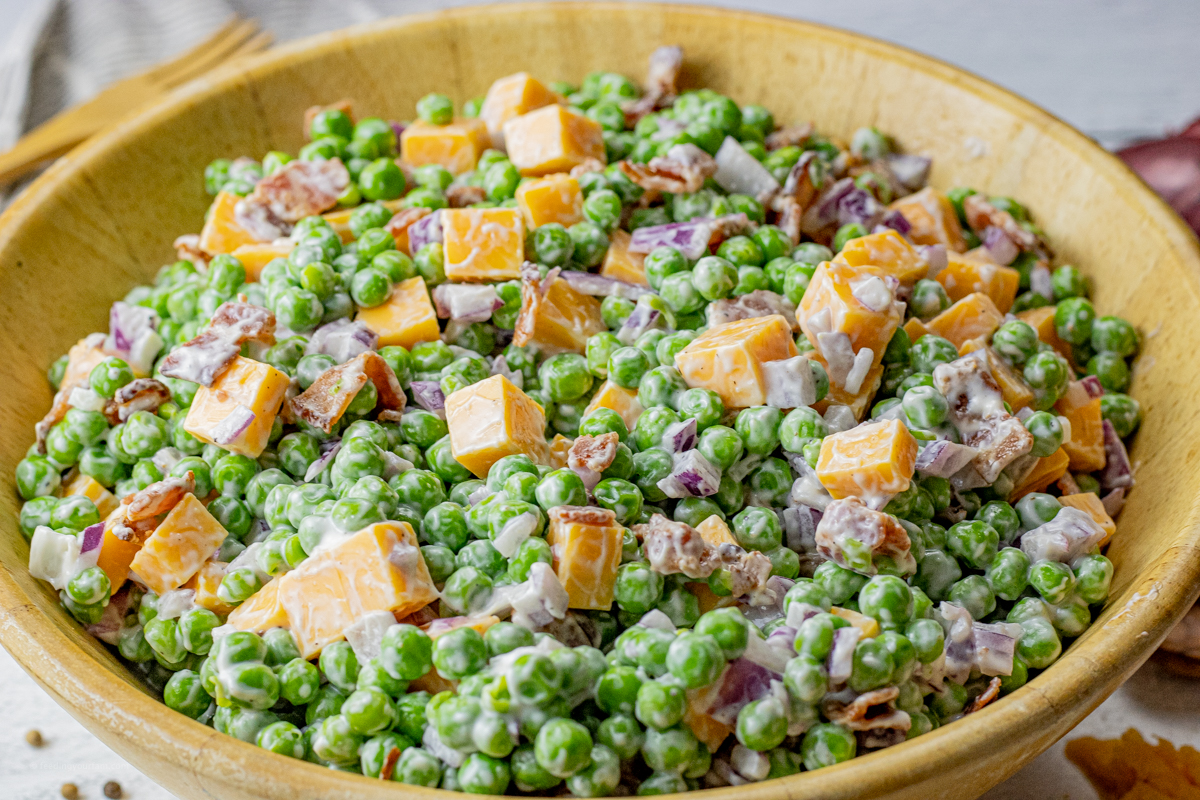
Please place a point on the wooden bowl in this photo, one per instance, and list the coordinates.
(103, 219)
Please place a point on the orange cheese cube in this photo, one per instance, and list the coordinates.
(868, 626)
(380, 568)
(456, 146)
(887, 250)
(586, 543)
(510, 97)
(728, 358)
(1045, 472)
(700, 722)
(832, 290)
(407, 318)
(339, 220)
(560, 449)
(932, 218)
(1091, 504)
(262, 611)
(714, 531)
(871, 460)
(1013, 388)
(552, 139)
(965, 275)
(483, 244)
(221, 232)
(557, 318)
(256, 256)
(117, 554)
(915, 329)
(1042, 322)
(179, 546)
(247, 383)
(205, 584)
(88, 487)
(554, 198)
(493, 419)
(622, 265)
(970, 318)
(1086, 446)
(705, 597)
(860, 401)
(82, 358)
(621, 400)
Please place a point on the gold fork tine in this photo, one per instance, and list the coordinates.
(161, 71)
(207, 55)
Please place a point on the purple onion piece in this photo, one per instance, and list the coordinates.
(342, 340)
(841, 656)
(92, 537)
(689, 238)
(993, 650)
(741, 173)
(595, 285)
(896, 221)
(426, 230)
(466, 302)
(318, 466)
(859, 206)
(1114, 501)
(912, 171)
(1000, 245)
(233, 426)
(1093, 386)
(679, 436)
(500, 367)
(800, 528)
(942, 459)
(692, 475)
(1117, 472)
(428, 395)
(640, 320)
(397, 128)
(741, 683)
(789, 383)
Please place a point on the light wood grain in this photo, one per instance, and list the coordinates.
(101, 220)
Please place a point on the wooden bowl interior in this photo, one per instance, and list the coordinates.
(103, 220)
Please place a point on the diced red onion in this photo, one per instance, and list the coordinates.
(1000, 245)
(1117, 472)
(942, 459)
(1039, 282)
(52, 556)
(433, 743)
(85, 399)
(426, 230)
(841, 656)
(824, 212)
(741, 469)
(318, 466)
(394, 465)
(789, 382)
(365, 634)
(479, 495)
(863, 361)
(797, 615)
(466, 302)
(742, 682)
(689, 238)
(935, 256)
(397, 128)
(657, 619)
(234, 425)
(994, 647)
(1093, 386)
(640, 320)
(741, 173)
(595, 285)
(679, 436)
(166, 459)
(428, 395)
(1114, 501)
(500, 367)
(911, 170)
(859, 206)
(763, 654)
(800, 528)
(175, 603)
(342, 340)
(895, 221)
(750, 764)
(839, 354)
(515, 531)
(839, 417)
(543, 599)
(692, 475)
(126, 323)
(590, 477)
(91, 538)
(1072, 533)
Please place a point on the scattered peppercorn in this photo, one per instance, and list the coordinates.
(70, 791)
(33, 738)
(112, 790)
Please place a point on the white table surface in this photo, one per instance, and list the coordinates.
(1116, 69)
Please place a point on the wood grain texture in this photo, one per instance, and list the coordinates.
(103, 219)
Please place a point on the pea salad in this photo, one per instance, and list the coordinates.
(600, 439)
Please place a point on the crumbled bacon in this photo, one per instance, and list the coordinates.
(798, 193)
(587, 165)
(583, 515)
(678, 548)
(56, 414)
(323, 403)
(759, 303)
(977, 411)
(875, 710)
(187, 248)
(661, 83)
(593, 453)
(142, 394)
(300, 189)
(880, 533)
(982, 215)
(422, 616)
(206, 356)
(157, 498)
(683, 169)
(389, 764)
(790, 136)
(989, 694)
(402, 219)
(463, 196)
(344, 105)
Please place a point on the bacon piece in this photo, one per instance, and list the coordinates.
(789, 136)
(683, 169)
(661, 83)
(421, 617)
(989, 694)
(583, 515)
(675, 547)
(463, 196)
(157, 498)
(586, 166)
(882, 534)
(389, 764)
(345, 105)
(759, 303)
(56, 414)
(594, 453)
(300, 189)
(798, 194)
(977, 411)
(875, 710)
(982, 215)
(206, 356)
(187, 248)
(324, 402)
(402, 219)
(142, 394)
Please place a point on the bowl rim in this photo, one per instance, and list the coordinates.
(71, 675)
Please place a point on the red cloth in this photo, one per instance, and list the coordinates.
(1172, 168)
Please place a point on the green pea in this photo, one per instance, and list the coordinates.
(1039, 645)
(1052, 580)
(660, 705)
(759, 428)
(1068, 281)
(430, 259)
(637, 588)
(651, 464)
(937, 572)
(1037, 508)
(1093, 576)
(826, 744)
(591, 243)
(1114, 335)
(436, 109)
(1111, 369)
(500, 181)
(626, 366)
(662, 262)
(1047, 433)
(1073, 318)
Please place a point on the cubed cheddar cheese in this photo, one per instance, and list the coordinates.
(1045, 472)
(82, 358)
(700, 722)
(205, 584)
(179, 546)
(619, 399)
(483, 244)
(868, 626)
(859, 402)
(728, 358)
(832, 289)
(705, 597)
(1086, 445)
(88, 487)
(557, 318)
(256, 256)
(1042, 322)
(262, 611)
(887, 250)
(248, 383)
(972, 317)
(915, 329)
(714, 531)
(552, 139)
(380, 568)
(965, 275)
(512, 96)
(407, 318)
(339, 220)
(560, 451)
(586, 543)
(493, 419)
(456, 146)
(868, 461)
(117, 554)
(554, 198)
(1091, 504)
(932, 218)
(622, 265)
(221, 232)
(1013, 388)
